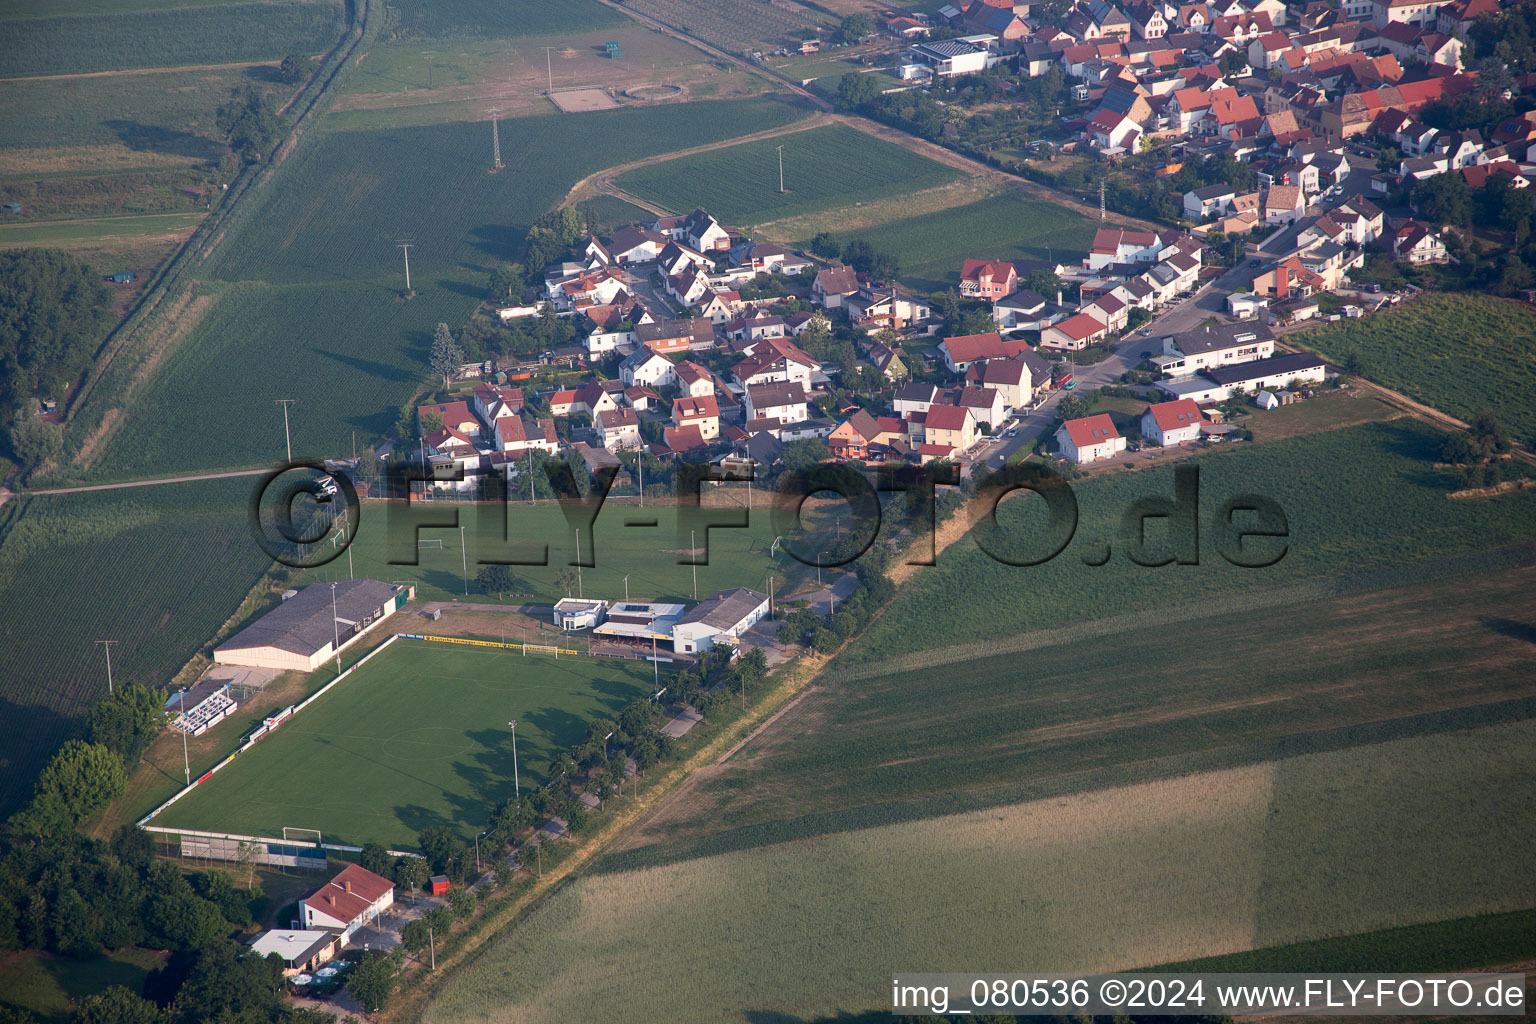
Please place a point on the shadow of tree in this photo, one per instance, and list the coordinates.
(150, 138)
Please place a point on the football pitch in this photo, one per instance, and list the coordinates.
(417, 737)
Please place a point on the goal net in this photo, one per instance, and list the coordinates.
(301, 835)
(423, 545)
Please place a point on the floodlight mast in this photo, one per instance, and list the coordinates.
(496, 163)
(517, 786)
(107, 644)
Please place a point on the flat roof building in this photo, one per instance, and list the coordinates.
(302, 632)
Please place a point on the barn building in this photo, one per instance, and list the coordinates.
(303, 632)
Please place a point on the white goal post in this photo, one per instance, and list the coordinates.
(300, 839)
(422, 545)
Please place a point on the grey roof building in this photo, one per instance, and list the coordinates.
(302, 632)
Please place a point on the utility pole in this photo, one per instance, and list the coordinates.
(288, 437)
(693, 559)
(1101, 199)
(496, 163)
(336, 628)
(186, 761)
(464, 558)
(517, 786)
(429, 55)
(549, 68)
(108, 645)
(781, 168)
(406, 248)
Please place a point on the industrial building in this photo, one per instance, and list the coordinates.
(308, 628)
(726, 613)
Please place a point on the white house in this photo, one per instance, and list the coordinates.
(354, 898)
(780, 400)
(1089, 439)
(644, 367)
(1171, 423)
(619, 428)
(1189, 352)
(726, 613)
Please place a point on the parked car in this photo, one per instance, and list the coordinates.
(1068, 386)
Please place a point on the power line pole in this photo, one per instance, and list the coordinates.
(285, 403)
(186, 761)
(336, 628)
(406, 248)
(781, 168)
(549, 68)
(464, 558)
(517, 786)
(1101, 199)
(496, 163)
(693, 560)
(429, 55)
(108, 645)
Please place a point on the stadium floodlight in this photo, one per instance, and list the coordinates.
(108, 645)
(517, 787)
(336, 628)
(626, 598)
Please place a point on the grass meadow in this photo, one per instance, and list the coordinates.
(1458, 353)
(1011, 226)
(823, 168)
(648, 556)
(1361, 498)
(48, 986)
(1399, 833)
(159, 570)
(307, 297)
(416, 738)
(420, 19)
(119, 40)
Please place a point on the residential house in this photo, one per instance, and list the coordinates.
(1189, 352)
(1110, 310)
(950, 426)
(987, 405)
(669, 336)
(961, 351)
(493, 402)
(1284, 204)
(698, 230)
(451, 416)
(987, 279)
(1089, 439)
(852, 438)
(645, 367)
(700, 412)
(618, 428)
(1122, 245)
(1169, 423)
(779, 401)
(833, 285)
(693, 380)
(952, 57)
(627, 246)
(1074, 333)
(1020, 309)
(1017, 379)
(875, 307)
(914, 398)
(773, 360)
(1418, 244)
(1203, 203)
(354, 899)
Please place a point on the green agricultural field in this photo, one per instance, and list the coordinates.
(1015, 225)
(417, 19)
(222, 33)
(823, 168)
(61, 233)
(1361, 498)
(1458, 353)
(157, 569)
(1398, 833)
(307, 293)
(648, 556)
(1127, 698)
(416, 738)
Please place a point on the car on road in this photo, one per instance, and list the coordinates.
(1143, 332)
(1069, 385)
(1012, 433)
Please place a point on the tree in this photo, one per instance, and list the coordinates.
(441, 848)
(1489, 433)
(495, 579)
(294, 69)
(507, 283)
(117, 1005)
(248, 123)
(376, 859)
(80, 778)
(54, 311)
(373, 980)
(824, 641)
(462, 901)
(856, 27)
(415, 935)
(127, 721)
(35, 441)
(446, 356)
(410, 873)
(824, 245)
(1044, 283)
(855, 90)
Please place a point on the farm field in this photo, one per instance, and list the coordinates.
(1129, 699)
(1457, 353)
(473, 19)
(648, 556)
(1361, 498)
(737, 26)
(159, 570)
(92, 232)
(309, 292)
(414, 739)
(932, 246)
(824, 167)
(221, 33)
(1397, 833)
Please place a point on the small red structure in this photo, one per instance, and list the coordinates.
(439, 885)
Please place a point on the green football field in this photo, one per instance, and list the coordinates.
(417, 737)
